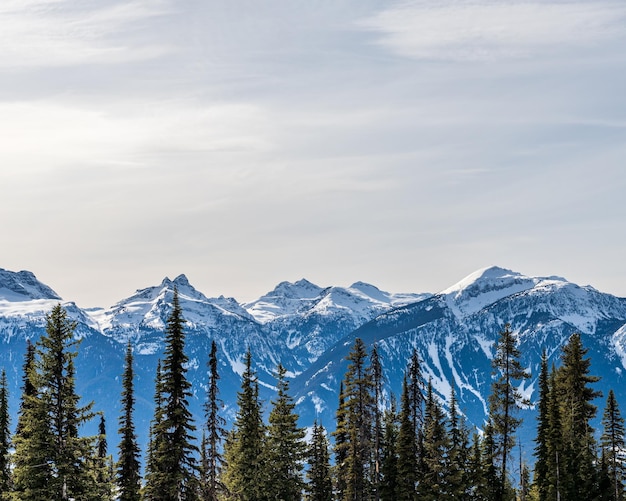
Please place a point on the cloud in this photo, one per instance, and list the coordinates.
(48, 33)
(490, 30)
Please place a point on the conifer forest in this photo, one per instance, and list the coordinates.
(383, 448)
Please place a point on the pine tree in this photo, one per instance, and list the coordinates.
(286, 448)
(541, 453)
(128, 477)
(244, 471)
(389, 454)
(212, 442)
(432, 484)
(342, 444)
(320, 485)
(51, 460)
(614, 446)
(577, 411)
(376, 372)
(406, 448)
(173, 435)
(5, 437)
(359, 404)
(504, 400)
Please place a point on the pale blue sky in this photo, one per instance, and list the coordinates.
(243, 143)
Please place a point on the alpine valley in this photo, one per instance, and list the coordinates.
(310, 330)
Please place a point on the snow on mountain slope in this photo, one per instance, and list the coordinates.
(286, 299)
(23, 286)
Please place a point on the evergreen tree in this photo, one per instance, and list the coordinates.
(149, 491)
(376, 372)
(576, 410)
(359, 402)
(406, 448)
(244, 472)
(286, 448)
(342, 444)
(504, 400)
(389, 455)
(215, 433)
(433, 482)
(541, 453)
(174, 456)
(477, 487)
(103, 467)
(128, 478)
(555, 462)
(5, 437)
(614, 446)
(457, 457)
(320, 485)
(51, 460)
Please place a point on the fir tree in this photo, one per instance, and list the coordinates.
(342, 444)
(406, 448)
(359, 404)
(244, 471)
(149, 491)
(211, 445)
(103, 466)
(433, 483)
(376, 372)
(52, 461)
(389, 454)
(614, 446)
(575, 398)
(504, 400)
(319, 486)
(174, 476)
(286, 447)
(5, 437)
(128, 478)
(457, 457)
(541, 453)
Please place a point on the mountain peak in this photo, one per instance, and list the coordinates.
(485, 287)
(23, 286)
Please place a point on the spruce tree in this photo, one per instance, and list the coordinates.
(319, 486)
(406, 448)
(244, 472)
(128, 478)
(286, 448)
(174, 477)
(212, 444)
(433, 482)
(359, 402)
(5, 437)
(389, 453)
(342, 444)
(457, 457)
(149, 491)
(575, 398)
(103, 464)
(541, 453)
(614, 446)
(376, 372)
(52, 461)
(504, 400)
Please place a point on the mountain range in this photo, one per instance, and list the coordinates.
(310, 330)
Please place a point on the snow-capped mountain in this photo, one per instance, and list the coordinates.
(310, 330)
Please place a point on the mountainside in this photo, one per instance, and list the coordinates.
(310, 330)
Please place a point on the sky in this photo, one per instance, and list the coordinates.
(243, 143)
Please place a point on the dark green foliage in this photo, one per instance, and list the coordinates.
(359, 403)
(103, 463)
(211, 456)
(613, 447)
(576, 411)
(389, 454)
(128, 477)
(244, 471)
(5, 437)
(433, 482)
(342, 443)
(542, 480)
(51, 460)
(407, 465)
(319, 486)
(285, 449)
(376, 373)
(457, 457)
(173, 452)
(504, 400)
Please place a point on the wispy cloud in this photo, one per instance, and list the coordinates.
(490, 30)
(45, 33)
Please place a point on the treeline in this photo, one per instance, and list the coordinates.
(411, 449)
